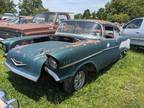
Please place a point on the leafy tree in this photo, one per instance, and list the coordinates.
(31, 7)
(94, 15)
(122, 10)
(7, 6)
(78, 16)
(101, 14)
(87, 14)
(118, 17)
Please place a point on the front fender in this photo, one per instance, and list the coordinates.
(32, 74)
(37, 66)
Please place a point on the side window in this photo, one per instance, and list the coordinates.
(61, 18)
(135, 24)
(97, 30)
(109, 32)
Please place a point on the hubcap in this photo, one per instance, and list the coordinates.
(79, 80)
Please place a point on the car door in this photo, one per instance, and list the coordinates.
(110, 46)
(133, 28)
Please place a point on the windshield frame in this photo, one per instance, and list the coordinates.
(90, 35)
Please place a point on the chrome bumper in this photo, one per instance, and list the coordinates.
(30, 77)
(53, 74)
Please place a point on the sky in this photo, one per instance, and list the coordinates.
(76, 6)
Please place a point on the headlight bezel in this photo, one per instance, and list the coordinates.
(52, 62)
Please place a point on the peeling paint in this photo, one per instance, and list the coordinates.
(83, 43)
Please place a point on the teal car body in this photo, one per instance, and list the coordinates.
(68, 51)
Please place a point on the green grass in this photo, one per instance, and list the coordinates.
(121, 86)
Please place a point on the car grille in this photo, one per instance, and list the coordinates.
(7, 34)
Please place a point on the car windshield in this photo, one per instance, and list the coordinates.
(77, 27)
(44, 18)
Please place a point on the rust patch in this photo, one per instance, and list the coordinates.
(84, 43)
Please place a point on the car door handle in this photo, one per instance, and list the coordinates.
(137, 32)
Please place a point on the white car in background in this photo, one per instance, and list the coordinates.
(8, 16)
(135, 30)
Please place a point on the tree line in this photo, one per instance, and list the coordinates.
(116, 11)
(26, 7)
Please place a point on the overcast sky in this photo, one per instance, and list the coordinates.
(76, 6)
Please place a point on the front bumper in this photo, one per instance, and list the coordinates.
(21, 73)
(53, 74)
(31, 77)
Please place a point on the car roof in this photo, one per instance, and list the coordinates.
(57, 12)
(102, 22)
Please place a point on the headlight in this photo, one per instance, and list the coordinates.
(52, 63)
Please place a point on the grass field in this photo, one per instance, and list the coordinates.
(120, 86)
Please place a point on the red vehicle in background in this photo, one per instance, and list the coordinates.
(42, 24)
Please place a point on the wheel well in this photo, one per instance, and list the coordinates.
(90, 67)
(43, 72)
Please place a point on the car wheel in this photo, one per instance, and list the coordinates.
(75, 83)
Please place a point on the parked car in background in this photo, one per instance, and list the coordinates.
(42, 24)
(6, 16)
(135, 30)
(19, 20)
(78, 47)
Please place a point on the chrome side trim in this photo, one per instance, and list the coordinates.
(30, 77)
(53, 74)
(17, 63)
(110, 48)
(88, 57)
(141, 39)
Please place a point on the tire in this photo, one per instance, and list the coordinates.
(75, 83)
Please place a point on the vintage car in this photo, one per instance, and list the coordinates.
(44, 23)
(134, 29)
(78, 47)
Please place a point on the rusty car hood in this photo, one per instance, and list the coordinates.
(29, 28)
